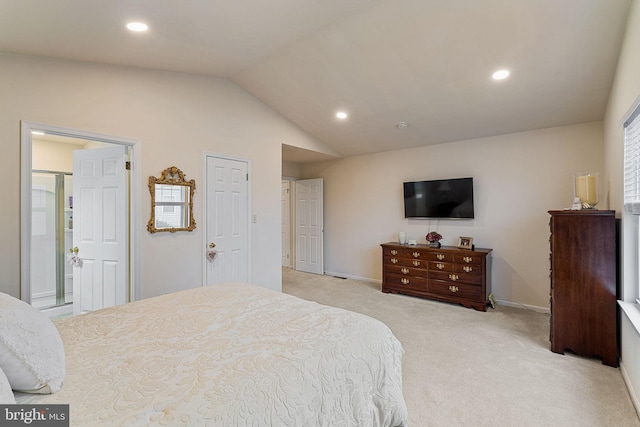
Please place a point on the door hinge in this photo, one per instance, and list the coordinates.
(127, 165)
(247, 177)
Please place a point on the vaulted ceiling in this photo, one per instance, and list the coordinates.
(427, 63)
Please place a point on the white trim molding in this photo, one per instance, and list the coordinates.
(630, 349)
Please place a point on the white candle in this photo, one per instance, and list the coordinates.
(586, 189)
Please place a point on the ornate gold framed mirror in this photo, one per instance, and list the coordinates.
(171, 202)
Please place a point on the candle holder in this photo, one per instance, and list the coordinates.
(586, 189)
(402, 238)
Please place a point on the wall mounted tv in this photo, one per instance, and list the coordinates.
(441, 198)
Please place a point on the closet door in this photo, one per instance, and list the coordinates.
(227, 220)
(309, 226)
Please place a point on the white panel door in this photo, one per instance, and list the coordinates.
(100, 228)
(309, 226)
(286, 223)
(227, 220)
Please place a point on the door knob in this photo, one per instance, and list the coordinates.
(212, 245)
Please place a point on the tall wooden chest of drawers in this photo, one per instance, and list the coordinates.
(445, 274)
(583, 283)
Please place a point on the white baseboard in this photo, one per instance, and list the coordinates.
(506, 303)
(349, 276)
(545, 310)
(632, 392)
(630, 348)
(535, 308)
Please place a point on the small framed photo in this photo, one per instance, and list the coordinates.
(465, 242)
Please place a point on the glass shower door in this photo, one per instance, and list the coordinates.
(51, 239)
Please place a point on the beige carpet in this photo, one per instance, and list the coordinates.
(467, 368)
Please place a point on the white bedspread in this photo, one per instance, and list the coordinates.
(230, 355)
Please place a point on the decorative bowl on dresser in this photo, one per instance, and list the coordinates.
(446, 273)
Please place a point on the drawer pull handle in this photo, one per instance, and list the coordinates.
(404, 281)
(440, 266)
(416, 254)
(416, 263)
(467, 269)
(405, 270)
(394, 252)
(394, 260)
(467, 259)
(453, 277)
(440, 257)
(453, 289)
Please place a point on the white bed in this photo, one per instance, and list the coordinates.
(229, 355)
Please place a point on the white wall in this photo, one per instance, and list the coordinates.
(517, 179)
(52, 156)
(291, 169)
(177, 117)
(625, 94)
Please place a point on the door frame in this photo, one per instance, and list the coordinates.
(134, 215)
(288, 229)
(205, 155)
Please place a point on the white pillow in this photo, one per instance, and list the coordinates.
(31, 350)
(6, 395)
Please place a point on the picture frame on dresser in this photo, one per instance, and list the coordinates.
(465, 242)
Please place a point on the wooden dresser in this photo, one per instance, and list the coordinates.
(445, 274)
(583, 284)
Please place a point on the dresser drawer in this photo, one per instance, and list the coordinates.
(441, 266)
(392, 260)
(416, 263)
(468, 259)
(458, 290)
(468, 269)
(453, 277)
(408, 282)
(404, 262)
(440, 256)
(417, 254)
(405, 271)
(395, 252)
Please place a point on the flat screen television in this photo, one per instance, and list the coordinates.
(440, 198)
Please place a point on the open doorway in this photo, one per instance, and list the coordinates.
(51, 236)
(302, 226)
(52, 229)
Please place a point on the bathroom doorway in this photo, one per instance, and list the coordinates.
(55, 277)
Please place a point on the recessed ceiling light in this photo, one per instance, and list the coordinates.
(501, 74)
(402, 125)
(341, 115)
(137, 26)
